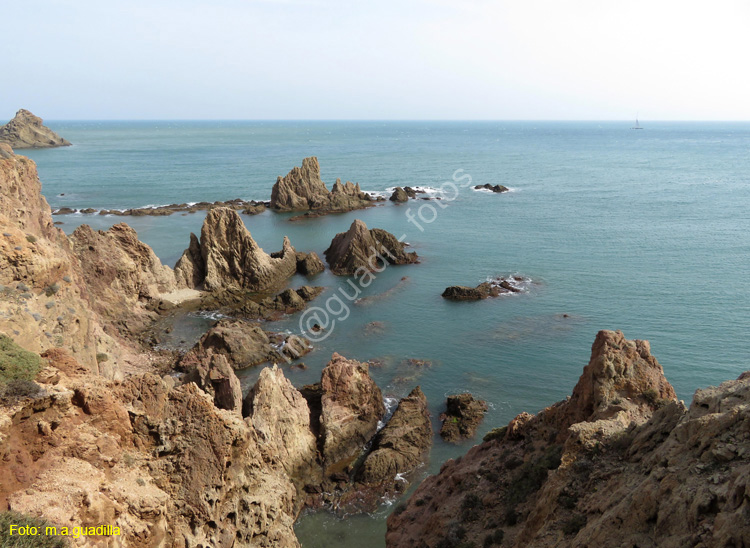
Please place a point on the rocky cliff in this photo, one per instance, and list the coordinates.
(362, 250)
(302, 190)
(27, 131)
(619, 463)
(227, 257)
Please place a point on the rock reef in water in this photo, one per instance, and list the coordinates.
(27, 131)
(494, 188)
(303, 190)
(619, 463)
(494, 288)
(462, 416)
(364, 250)
(227, 257)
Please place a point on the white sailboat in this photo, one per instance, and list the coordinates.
(637, 125)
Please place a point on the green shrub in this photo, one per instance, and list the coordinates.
(400, 508)
(19, 388)
(41, 540)
(532, 475)
(31, 239)
(101, 357)
(17, 363)
(494, 538)
(651, 396)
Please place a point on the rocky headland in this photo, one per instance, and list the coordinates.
(95, 427)
(619, 463)
(27, 131)
(303, 190)
(363, 250)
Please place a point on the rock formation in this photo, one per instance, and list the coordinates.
(496, 188)
(362, 250)
(352, 406)
(230, 258)
(462, 417)
(27, 131)
(244, 344)
(309, 264)
(399, 195)
(494, 288)
(619, 463)
(401, 446)
(243, 304)
(303, 190)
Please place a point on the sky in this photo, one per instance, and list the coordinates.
(384, 59)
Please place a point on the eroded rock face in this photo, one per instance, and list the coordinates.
(401, 446)
(280, 415)
(360, 250)
(462, 417)
(309, 264)
(244, 344)
(27, 131)
(609, 467)
(230, 258)
(493, 288)
(163, 464)
(302, 190)
(399, 195)
(352, 406)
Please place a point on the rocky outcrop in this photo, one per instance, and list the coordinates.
(494, 188)
(399, 195)
(352, 406)
(462, 417)
(230, 258)
(51, 298)
(493, 288)
(619, 463)
(400, 447)
(280, 415)
(303, 190)
(309, 264)
(164, 464)
(27, 131)
(120, 270)
(362, 250)
(244, 344)
(246, 304)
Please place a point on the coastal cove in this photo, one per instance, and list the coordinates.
(640, 231)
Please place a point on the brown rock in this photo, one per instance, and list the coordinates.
(27, 131)
(190, 270)
(309, 264)
(401, 446)
(362, 250)
(573, 474)
(232, 259)
(352, 406)
(462, 417)
(302, 190)
(281, 417)
(399, 195)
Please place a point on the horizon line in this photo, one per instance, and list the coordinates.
(488, 120)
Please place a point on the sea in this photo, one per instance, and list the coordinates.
(643, 231)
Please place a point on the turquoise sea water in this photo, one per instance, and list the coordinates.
(644, 231)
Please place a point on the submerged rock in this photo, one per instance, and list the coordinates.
(27, 131)
(363, 250)
(302, 189)
(462, 417)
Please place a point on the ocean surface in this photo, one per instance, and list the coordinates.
(643, 231)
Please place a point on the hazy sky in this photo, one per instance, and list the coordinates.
(382, 59)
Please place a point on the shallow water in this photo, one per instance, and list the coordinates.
(642, 231)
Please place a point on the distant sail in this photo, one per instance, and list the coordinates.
(637, 125)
